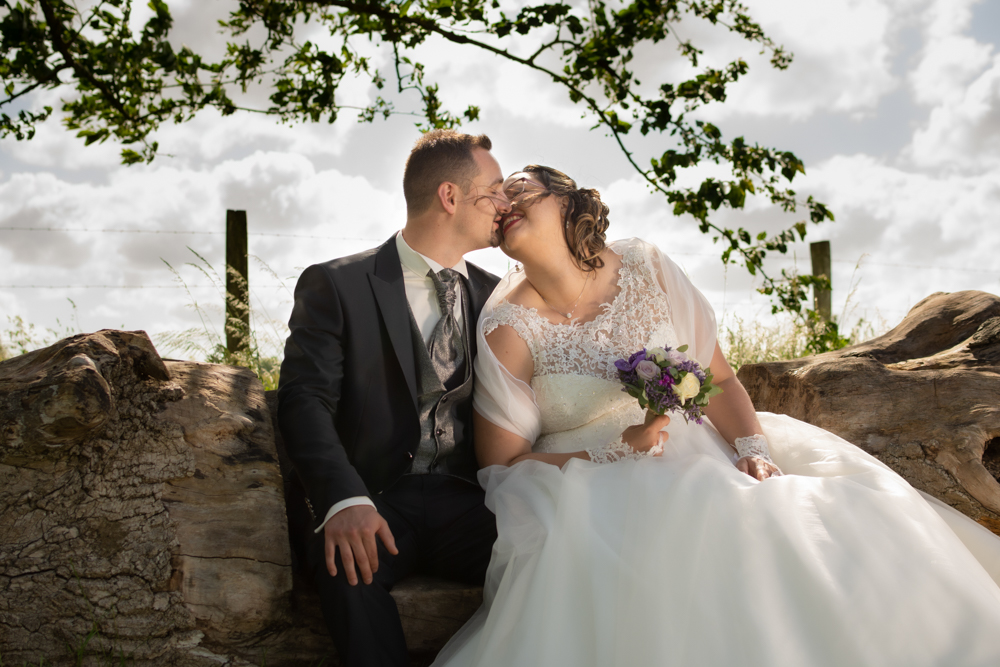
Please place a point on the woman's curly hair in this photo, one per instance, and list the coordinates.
(586, 219)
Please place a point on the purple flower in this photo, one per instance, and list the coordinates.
(655, 376)
(647, 370)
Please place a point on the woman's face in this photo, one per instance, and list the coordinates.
(536, 216)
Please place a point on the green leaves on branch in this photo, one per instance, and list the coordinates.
(120, 78)
(125, 84)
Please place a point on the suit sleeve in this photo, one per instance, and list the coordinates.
(310, 385)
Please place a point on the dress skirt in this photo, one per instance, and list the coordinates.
(684, 561)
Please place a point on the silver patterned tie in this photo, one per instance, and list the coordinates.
(445, 346)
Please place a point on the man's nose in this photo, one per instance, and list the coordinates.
(503, 206)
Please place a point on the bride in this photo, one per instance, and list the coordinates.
(629, 541)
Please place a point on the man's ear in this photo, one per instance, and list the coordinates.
(448, 194)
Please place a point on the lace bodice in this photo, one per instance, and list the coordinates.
(639, 311)
(575, 383)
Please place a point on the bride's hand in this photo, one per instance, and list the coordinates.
(649, 435)
(757, 468)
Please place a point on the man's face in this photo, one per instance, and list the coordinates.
(485, 203)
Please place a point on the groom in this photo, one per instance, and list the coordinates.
(375, 399)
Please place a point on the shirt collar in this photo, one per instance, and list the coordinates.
(420, 264)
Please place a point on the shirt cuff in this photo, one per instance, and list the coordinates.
(343, 505)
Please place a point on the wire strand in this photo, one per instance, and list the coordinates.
(122, 286)
(182, 232)
(376, 240)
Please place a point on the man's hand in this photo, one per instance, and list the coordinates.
(353, 531)
(757, 468)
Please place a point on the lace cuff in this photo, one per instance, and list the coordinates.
(618, 451)
(754, 445)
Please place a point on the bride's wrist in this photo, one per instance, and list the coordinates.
(754, 446)
(619, 450)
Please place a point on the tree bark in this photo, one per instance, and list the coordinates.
(143, 515)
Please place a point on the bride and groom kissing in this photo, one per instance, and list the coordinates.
(447, 422)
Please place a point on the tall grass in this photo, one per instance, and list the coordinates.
(265, 337)
(206, 342)
(753, 341)
(20, 337)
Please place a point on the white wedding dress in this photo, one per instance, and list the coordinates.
(683, 560)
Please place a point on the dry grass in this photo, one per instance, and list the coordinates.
(754, 341)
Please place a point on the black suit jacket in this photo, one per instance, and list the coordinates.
(347, 396)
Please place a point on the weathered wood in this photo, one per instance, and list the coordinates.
(233, 558)
(140, 498)
(822, 266)
(237, 283)
(143, 499)
(924, 398)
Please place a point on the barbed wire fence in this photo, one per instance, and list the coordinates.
(326, 237)
(866, 260)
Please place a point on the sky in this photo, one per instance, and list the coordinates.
(894, 105)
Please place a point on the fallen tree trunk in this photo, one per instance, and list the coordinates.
(924, 398)
(142, 516)
(143, 507)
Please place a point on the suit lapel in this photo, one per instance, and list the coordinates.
(390, 296)
(470, 329)
(479, 292)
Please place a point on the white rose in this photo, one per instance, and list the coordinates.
(688, 387)
(657, 354)
(677, 358)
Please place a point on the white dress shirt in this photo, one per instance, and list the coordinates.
(422, 297)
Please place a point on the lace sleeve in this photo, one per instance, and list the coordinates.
(505, 313)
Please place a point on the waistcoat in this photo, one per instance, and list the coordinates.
(444, 409)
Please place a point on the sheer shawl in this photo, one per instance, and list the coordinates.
(510, 403)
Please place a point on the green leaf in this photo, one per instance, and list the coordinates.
(130, 156)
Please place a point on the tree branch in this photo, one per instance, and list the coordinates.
(38, 84)
(431, 26)
(56, 29)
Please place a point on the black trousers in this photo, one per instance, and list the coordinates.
(441, 528)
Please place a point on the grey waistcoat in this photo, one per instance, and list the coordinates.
(445, 447)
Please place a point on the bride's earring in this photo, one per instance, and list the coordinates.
(517, 267)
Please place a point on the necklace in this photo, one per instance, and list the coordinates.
(575, 303)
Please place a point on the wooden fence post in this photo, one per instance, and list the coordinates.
(237, 283)
(821, 266)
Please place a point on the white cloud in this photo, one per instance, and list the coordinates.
(964, 131)
(922, 233)
(469, 76)
(282, 193)
(842, 59)
(949, 58)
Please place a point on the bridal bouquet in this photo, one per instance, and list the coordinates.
(666, 380)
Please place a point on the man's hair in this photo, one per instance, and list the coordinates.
(439, 156)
